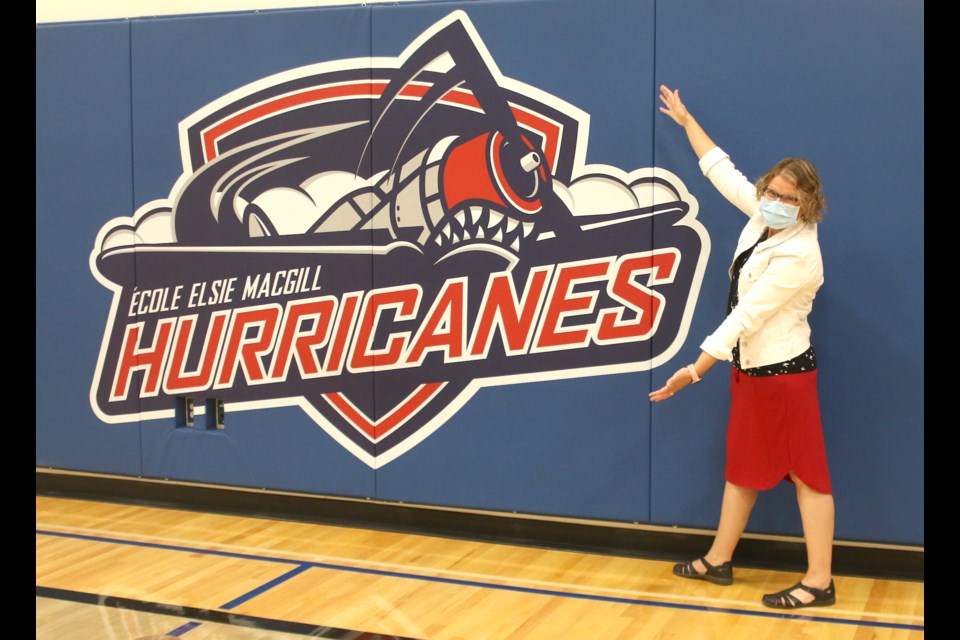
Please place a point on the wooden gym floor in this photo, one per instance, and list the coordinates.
(126, 572)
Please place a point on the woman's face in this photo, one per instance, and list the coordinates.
(784, 190)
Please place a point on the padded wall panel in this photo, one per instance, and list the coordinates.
(180, 66)
(83, 176)
(840, 84)
(530, 442)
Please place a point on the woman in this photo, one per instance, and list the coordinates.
(774, 431)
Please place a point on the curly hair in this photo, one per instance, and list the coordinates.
(803, 174)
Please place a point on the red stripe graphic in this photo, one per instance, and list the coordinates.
(366, 89)
(376, 429)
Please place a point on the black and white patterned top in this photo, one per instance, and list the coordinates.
(806, 361)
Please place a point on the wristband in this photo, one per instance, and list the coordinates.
(694, 378)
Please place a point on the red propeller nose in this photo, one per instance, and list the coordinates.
(490, 169)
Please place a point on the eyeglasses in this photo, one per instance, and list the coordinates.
(770, 194)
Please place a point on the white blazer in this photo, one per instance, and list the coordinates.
(777, 284)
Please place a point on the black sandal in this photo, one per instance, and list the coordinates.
(722, 575)
(786, 600)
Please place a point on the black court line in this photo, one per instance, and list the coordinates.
(488, 585)
(210, 615)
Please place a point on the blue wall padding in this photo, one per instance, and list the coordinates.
(838, 83)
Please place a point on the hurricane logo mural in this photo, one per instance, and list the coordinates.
(374, 240)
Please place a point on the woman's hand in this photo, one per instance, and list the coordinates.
(676, 382)
(673, 106)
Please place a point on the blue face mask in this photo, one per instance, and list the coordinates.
(778, 215)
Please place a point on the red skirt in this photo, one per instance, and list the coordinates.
(775, 428)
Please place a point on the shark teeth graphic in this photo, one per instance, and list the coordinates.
(481, 224)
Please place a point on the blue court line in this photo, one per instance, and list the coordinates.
(183, 629)
(302, 566)
(267, 586)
